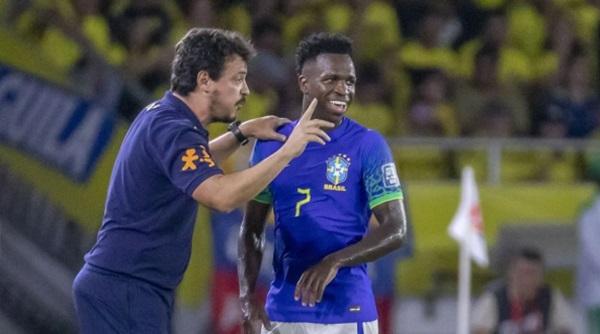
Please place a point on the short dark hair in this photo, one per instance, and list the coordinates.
(205, 49)
(316, 44)
(530, 254)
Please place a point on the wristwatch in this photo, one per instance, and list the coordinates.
(234, 127)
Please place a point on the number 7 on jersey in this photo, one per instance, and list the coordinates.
(306, 199)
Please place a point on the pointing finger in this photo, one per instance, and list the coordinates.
(309, 111)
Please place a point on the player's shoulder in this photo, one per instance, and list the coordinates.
(161, 124)
(361, 134)
(264, 148)
(161, 115)
(285, 129)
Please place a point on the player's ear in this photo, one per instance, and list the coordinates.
(303, 84)
(204, 82)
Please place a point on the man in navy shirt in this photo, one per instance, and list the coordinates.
(165, 167)
(322, 203)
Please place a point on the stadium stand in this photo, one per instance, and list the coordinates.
(42, 251)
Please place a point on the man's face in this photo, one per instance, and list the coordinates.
(526, 277)
(330, 78)
(229, 91)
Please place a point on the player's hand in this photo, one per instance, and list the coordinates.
(253, 316)
(307, 130)
(264, 128)
(312, 283)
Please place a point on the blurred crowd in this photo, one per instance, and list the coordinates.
(493, 68)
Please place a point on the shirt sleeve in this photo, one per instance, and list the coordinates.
(379, 171)
(485, 313)
(562, 315)
(183, 154)
(257, 156)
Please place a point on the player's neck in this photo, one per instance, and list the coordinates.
(199, 106)
(318, 115)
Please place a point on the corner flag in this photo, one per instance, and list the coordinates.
(467, 225)
(467, 228)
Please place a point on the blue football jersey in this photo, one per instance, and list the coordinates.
(322, 203)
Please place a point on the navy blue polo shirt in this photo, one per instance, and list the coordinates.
(149, 216)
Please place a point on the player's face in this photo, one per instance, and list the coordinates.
(230, 91)
(330, 78)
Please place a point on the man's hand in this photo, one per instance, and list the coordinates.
(253, 316)
(307, 130)
(264, 128)
(312, 283)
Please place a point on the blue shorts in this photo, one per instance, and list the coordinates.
(108, 302)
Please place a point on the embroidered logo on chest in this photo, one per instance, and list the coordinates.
(337, 172)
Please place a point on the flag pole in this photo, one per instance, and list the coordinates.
(467, 228)
(464, 289)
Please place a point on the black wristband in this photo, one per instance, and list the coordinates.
(234, 127)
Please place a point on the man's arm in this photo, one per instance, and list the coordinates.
(261, 128)
(250, 252)
(227, 192)
(388, 236)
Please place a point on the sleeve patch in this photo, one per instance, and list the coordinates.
(390, 176)
(191, 157)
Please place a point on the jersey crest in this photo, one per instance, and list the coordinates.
(337, 169)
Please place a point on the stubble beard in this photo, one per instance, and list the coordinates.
(224, 119)
(215, 108)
